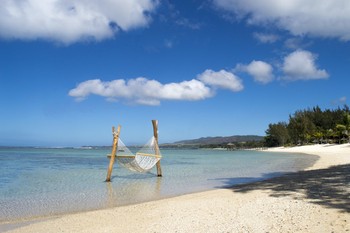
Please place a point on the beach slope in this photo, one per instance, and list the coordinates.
(314, 200)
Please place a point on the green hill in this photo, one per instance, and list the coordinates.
(220, 140)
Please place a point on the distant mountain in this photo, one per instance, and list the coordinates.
(220, 140)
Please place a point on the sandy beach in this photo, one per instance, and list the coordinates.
(314, 200)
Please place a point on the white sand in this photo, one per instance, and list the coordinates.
(309, 201)
(330, 154)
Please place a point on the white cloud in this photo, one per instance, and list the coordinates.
(221, 79)
(151, 92)
(300, 65)
(70, 21)
(265, 38)
(142, 91)
(262, 72)
(324, 18)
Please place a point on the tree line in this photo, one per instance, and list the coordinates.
(312, 125)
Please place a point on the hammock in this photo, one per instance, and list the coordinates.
(143, 161)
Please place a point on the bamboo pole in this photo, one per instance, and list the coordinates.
(114, 152)
(156, 147)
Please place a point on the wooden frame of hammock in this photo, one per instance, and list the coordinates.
(133, 156)
(156, 147)
(115, 146)
(114, 152)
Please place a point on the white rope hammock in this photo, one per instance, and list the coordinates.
(143, 161)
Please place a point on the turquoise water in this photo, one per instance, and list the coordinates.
(42, 182)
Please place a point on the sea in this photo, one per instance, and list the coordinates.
(42, 182)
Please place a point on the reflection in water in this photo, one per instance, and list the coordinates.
(135, 190)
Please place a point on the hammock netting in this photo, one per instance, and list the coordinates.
(143, 161)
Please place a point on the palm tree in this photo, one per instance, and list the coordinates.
(340, 132)
(347, 125)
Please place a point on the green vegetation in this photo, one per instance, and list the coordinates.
(311, 126)
(304, 127)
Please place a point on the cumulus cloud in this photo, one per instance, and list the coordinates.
(70, 21)
(323, 18)
(151, 92)
(300, 65)
(221, 79)
(142, 90)
(262, 72)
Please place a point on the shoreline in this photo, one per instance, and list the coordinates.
(329, 154)
(276, 205)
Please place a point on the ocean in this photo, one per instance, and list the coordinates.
(39, 182)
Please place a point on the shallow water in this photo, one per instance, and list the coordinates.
(38, 182)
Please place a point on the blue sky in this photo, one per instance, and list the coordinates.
(69, 71)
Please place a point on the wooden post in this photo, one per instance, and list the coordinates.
(114, 152)
(156, 147)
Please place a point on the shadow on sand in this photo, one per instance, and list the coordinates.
(328, 187)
